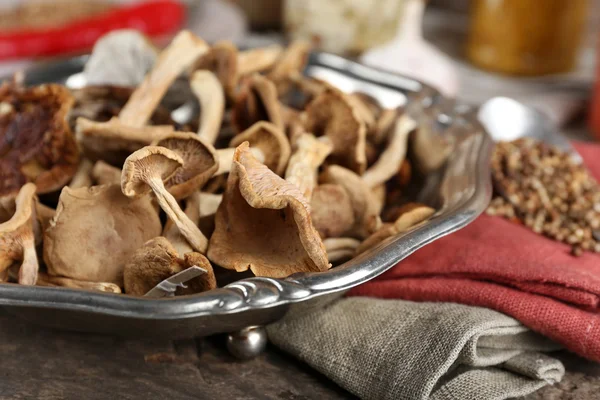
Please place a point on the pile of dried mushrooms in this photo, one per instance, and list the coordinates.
(113, 188)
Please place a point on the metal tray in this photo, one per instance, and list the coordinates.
(461, 190)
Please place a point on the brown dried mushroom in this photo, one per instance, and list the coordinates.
(58, 281)
(412, 215)
(94, 232)
(146, 170)
(264, 224)
(340, 249)
(17, 238)
(270, 141)
(333, 115)
(256, 101)
(331, 210)
(36, 142)
(156, 261)
(105, 174)
(303, 167)
(211, 97)
(258, 60)
(199, 162)
(82, 177)
(222, 59)
(364, 205)
(291, 62)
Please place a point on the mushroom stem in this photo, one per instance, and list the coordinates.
(188, 229)
(211, 96)
(225, 157)
(53, 281)
(115, 129)
(82, 176)
(171, 231)
(391, 159)
(28, 273)
(259, 59)
(339, 249)
(105, 174)
(172, 61)
(305, 162)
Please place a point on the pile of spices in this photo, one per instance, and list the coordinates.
(546, 190)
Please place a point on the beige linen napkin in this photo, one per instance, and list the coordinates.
(394, 349)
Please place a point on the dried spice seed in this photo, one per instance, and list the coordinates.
(545, 189)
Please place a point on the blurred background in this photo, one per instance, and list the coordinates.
(542, 53)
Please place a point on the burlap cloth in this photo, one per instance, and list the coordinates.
(394, 349)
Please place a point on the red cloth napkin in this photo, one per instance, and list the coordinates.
(497, 264)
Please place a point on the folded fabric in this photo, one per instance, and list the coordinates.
(501, 265)
(394, 349)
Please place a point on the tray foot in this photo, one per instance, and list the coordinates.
(247, 343)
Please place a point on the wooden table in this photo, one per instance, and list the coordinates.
(38, 363)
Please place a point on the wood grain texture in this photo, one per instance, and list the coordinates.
(38, 363)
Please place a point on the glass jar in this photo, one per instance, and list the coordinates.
(343, 26)
(526, 37)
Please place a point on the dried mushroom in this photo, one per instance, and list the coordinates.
(331, 210)
(17, 238)
(291, 62)
(258, 60)
(82, 177)
(270, 141)
(105, 174)
(411, 215)
(256, 101)
(199, 162)
(58, 281)
(333, 115)
(304, 164)
(208, 203)
(172, 233)
(222, 59)
(120, 58)
(146, 170)
(94, 232)
(208, 90)
(340, 249)
(263, 224)
(36, 142)
(364, 204)
(390, 161)
(156, 261)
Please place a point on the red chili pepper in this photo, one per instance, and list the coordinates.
(157, 17)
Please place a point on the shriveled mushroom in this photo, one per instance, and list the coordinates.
(156, 261)
(208, 203)
(121, 58)
(379, 194)
(291, 61)
(208, 90)
(146, 170)
(340, 249)
(258, 59)
(36, 142)
(225, 157)
(264, 224)
(82, 177)
(256, 101)
(58, 281)
(171, 232)
(333, 115)
(331, 210)
(364, 205)
(199, 162)
(17, 238)
(389, 162)
(430, 149)
(412, 215)
(44, 215)
(222, 59)
(364, 112)
(269, 140)
(105, 174)
(304, 164)
(172, 61)
(94, 232)
(294, 122)
(383, 126)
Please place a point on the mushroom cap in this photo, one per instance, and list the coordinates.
(36, 142)
(157, 260)
(271, 140)
(256, 101)
(145, 164)
(222, 59)
(364, 204)
(333, 115)
(263, 224)
(200, 162)
(331, 210)
(95, 231)
(292, 61)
